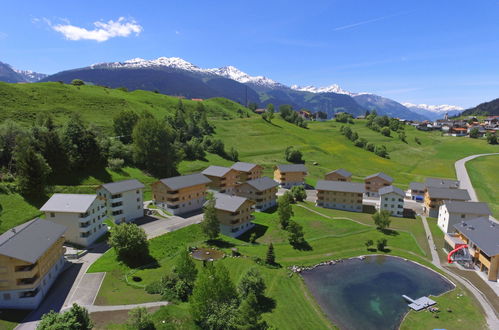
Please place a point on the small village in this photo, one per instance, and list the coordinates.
(76, 221)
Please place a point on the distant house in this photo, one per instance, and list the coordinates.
(459, 131)
(340, 195)
(290, 175)
(197, 100)
(234, 214)
(441, 183)
(417, 190)
(223, 179)
(339, 175)
(31, 258)
(452, 212)
(81, 214)
(491, 121)
(260, 111)
(434, 197)
(376, 181)
(480, 235)
(305, 114)
(262, 191)
(247, 171)
(181, 194)
(123, 199)
(391, 199)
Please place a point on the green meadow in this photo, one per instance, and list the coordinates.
(483, 172)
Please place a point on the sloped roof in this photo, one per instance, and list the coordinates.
(292, 168)
(354, 187)
(29, 241)
(122, 186)
(218, 171)
(390, 189)
(483, 232)
(342, 172)
(448, 193)
(468, 207)
(417, 186)
(74, 203)
(441, 183)
(184, 181)
(243, 167)
(228, 203)
(382, 175)
(262, 183)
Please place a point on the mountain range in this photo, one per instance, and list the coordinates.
(11, 75)
(175, 76)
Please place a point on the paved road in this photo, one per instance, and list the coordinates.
(463, 177)
(491, 317)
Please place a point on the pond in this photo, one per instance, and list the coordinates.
(207, 254)
(367, 294)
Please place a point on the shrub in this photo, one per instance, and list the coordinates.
(115, 164)
(299, 193)
(385, 131)
(77, 82)
(293, 155)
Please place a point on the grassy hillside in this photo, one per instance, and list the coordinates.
(98, 105)
(264, 143)
(483, 174)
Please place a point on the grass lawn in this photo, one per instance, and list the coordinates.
(484, 175)
(328, 239)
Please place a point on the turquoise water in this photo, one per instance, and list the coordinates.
(367, 294)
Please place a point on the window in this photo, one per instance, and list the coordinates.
(138, 207)
(52, 214)
(138, 191)
(463, 216)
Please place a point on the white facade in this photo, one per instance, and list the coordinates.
(392, 202)
(236, 232)
(124, 206)
(83, 227)
(187, 206)
(32, 298)
(447, 220)
(356, 207)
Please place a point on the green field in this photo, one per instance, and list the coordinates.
(329, 238)
(484, 175)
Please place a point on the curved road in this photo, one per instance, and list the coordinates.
(463, 177)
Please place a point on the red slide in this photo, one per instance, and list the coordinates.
(449, 256)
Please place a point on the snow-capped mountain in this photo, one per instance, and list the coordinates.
(327, 89)
(9, 74)
(31, 76)
(434, 112)
(242, 77)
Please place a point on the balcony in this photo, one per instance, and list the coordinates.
(173, 207)
(25, 268)
(172, 192)
(85, 224)
(29, 294)
(27, 281)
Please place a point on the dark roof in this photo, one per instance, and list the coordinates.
(483, 232)
(448, 193)
(122, 186)
(390, 189)
(184, 181)
(417, 186)
(354, 187)
(468, 207)
(342, 172)
(263, 183)
(74, 203)
(218, 171)
(229, 203)
(243, 167)
(29, 241)
(441, 183)
(292, 168)
(382, 175)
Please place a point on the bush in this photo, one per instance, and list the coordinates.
(130, 243)
(361, 143)
(474, 133)
(417, 140)
(115, 164)
(381, 244)
(251, 282)
(385, 131)
(140, 319)
(293, 155)
(370, 147)
(381, 151)
(491, 138)
(299, 193)
(77, 82)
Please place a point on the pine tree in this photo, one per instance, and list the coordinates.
(249, 314)
(210, 224)
(270, 258)
(31, 169)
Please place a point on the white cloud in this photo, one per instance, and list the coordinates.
(103, 30)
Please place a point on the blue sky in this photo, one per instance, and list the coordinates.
(432, 52)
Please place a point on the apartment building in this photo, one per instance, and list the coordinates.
(123, 199)
(181, 194)
(453, 212)
(234, 214)
(434, 197)
(31, 258)
(290, 175)
(261, 191)
(340, 195)
(81, 214)
(417, 190)
(376, 181)
(223, 179)
(339, 175)
(247, 171)
(441, 183)
(391, 199)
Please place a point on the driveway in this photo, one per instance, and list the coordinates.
(157, 226)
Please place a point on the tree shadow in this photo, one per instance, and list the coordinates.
(266, 304)
(36, 200)
(384, 250)
(147, 262)
(389, 232)
(220, 243)
(302, 246)
(371, 250)
(259, 230)
(270, 210)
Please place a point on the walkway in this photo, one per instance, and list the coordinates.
(463, 177)
(490, 315)
(110, 308)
